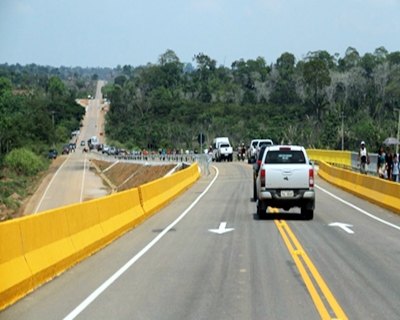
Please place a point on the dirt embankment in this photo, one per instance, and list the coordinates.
(118, 177)
(124, 176)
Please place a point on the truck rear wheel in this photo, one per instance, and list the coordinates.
(261, 209)
(308, 214)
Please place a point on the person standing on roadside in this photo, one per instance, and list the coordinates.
(363, 158)
(395, 169)
(389, 163)
(381, 168)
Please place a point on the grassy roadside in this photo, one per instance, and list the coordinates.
(16, 189)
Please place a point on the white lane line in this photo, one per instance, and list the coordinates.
(359, 209)
(49, 185)
(93, 296)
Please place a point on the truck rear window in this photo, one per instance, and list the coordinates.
(285, 156)
(224, 145)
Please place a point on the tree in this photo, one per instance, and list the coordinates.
(350, 60)
(203, 76)
(284, 85)
(317, 78)
(56, 88)
(5, 85)
(167, 57)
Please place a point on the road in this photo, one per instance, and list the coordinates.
(184, 271)
(73, 182)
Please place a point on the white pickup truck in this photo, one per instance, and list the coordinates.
(286, 180)
(222, 149)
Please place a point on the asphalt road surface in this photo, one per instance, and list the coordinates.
(169, 269)
(73, 182)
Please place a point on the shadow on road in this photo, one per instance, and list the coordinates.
(280, 216)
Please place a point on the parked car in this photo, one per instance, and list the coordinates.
(105, 149)
(52, 154)
(112, 151)
(65, 149)
(82, 143)
(72, 146)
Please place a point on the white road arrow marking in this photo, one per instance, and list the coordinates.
(346, 227)
(222, 229)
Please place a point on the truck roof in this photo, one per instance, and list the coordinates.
(287, 147)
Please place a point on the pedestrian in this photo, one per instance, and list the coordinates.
(363, 158)
(389, 163)
(381, 163)
(395, 169)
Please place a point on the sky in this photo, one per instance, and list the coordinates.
(108, 33)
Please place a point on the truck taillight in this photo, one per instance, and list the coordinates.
(311, 178)
(262, 177)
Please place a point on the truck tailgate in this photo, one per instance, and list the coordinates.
(287, 177)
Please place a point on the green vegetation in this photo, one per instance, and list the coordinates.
(23, 162)
(169, 103)
(37, 111)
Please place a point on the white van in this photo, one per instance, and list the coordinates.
(222, 149)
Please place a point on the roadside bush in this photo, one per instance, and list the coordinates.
(23, 161)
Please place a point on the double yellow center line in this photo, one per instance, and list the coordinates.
(328, 310)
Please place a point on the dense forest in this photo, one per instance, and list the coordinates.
(169, 103)
(37, 106)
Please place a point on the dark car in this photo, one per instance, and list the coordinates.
(52, 154)
(72, 146)
(256, 168)
(65, 149)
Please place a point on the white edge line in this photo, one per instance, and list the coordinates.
(359, 209)
(49, 185)
(93, 296)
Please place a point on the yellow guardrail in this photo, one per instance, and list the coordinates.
(330, 156)
(36, 248)
(382, 192)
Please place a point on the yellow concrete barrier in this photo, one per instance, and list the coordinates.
(15, 275)
(330, 156)
(36, 248)
(47, 244)
(379, 191)
(119, 213)
(84, 227)
(158, 193)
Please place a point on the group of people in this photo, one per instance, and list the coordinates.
(388, 166)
